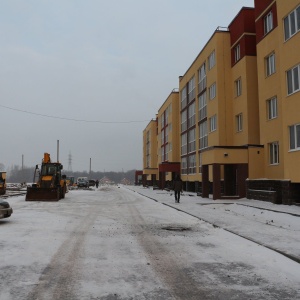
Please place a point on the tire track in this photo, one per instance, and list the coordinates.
(60, 277)
(168, 267)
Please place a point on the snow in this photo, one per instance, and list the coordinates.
(100, 243)
(275, 226)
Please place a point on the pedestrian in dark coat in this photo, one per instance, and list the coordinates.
(177, 187)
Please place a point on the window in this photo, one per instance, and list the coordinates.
(268, 22)
(293, 80)
(162, 119)
(192, 140)
(183, 165)
(274, 153)
(211, 60)
(270, 64)
(184, 120)
(167, 134)
(202, 106)
(295, 137)
(213, 123)
(192, 164)
(212, 91)
(203, 140)
(192, 115)
(239, 122)
(162, 153)
(238, 87)
(200, 163)
(237, 53)
(191, 89)
(272, 108)
(292, 23)
(184, 144)
(202, 78)
(183, 98)
(162, 137)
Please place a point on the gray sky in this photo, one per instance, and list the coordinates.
(94, 60)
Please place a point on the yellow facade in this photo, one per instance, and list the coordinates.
(287, 56)
(240, 116)
(220, 105)
(168, 131)
(150, 150)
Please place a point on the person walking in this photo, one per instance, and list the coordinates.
(177, 187)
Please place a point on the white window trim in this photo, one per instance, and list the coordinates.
(237, 53)
(270, 64)
(238, 87)
(212, 60)
(213, 123)
(296, 148)
(212, 91)
(272, 108)
(288, 19)
(239, 122)
(294, 90)
(268, 23)
(275, 155)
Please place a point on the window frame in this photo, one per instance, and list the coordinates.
(287, 23)
(202, 106)
(291, 87)
(270, 64)
(296, 140)
(239, 122)
(268, 22)
(238, 87)
(202, 78)
(237, 53)
(211, 60)
(212, 91)
(213, 123)
(274, 153)
(203, 135)
(272, 108)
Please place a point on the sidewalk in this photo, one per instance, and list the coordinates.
(271, 225)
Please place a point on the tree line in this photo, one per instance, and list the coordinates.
(15, 174)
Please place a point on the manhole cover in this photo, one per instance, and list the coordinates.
(175, 228)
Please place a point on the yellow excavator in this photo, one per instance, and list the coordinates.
(50, 184)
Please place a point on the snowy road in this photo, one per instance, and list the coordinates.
(113, 243)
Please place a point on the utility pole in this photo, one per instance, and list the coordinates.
(90, 167)
(57, 150)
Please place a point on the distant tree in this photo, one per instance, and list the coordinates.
(2, 167)
(15, 174)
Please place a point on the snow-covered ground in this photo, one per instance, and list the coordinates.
(275, 226)
(111, 243)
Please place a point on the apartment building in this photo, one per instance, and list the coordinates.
(219, 144)
(238, 109)
(150, 168)
(278, 63)
(168, 140)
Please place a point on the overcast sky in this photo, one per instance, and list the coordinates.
(107, 61)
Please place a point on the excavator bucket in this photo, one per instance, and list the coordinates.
(42, 194)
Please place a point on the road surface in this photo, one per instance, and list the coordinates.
(113, 243)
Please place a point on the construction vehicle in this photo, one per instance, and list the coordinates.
(49, 184)
(2, 183)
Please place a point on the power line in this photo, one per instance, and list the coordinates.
(70, 119)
